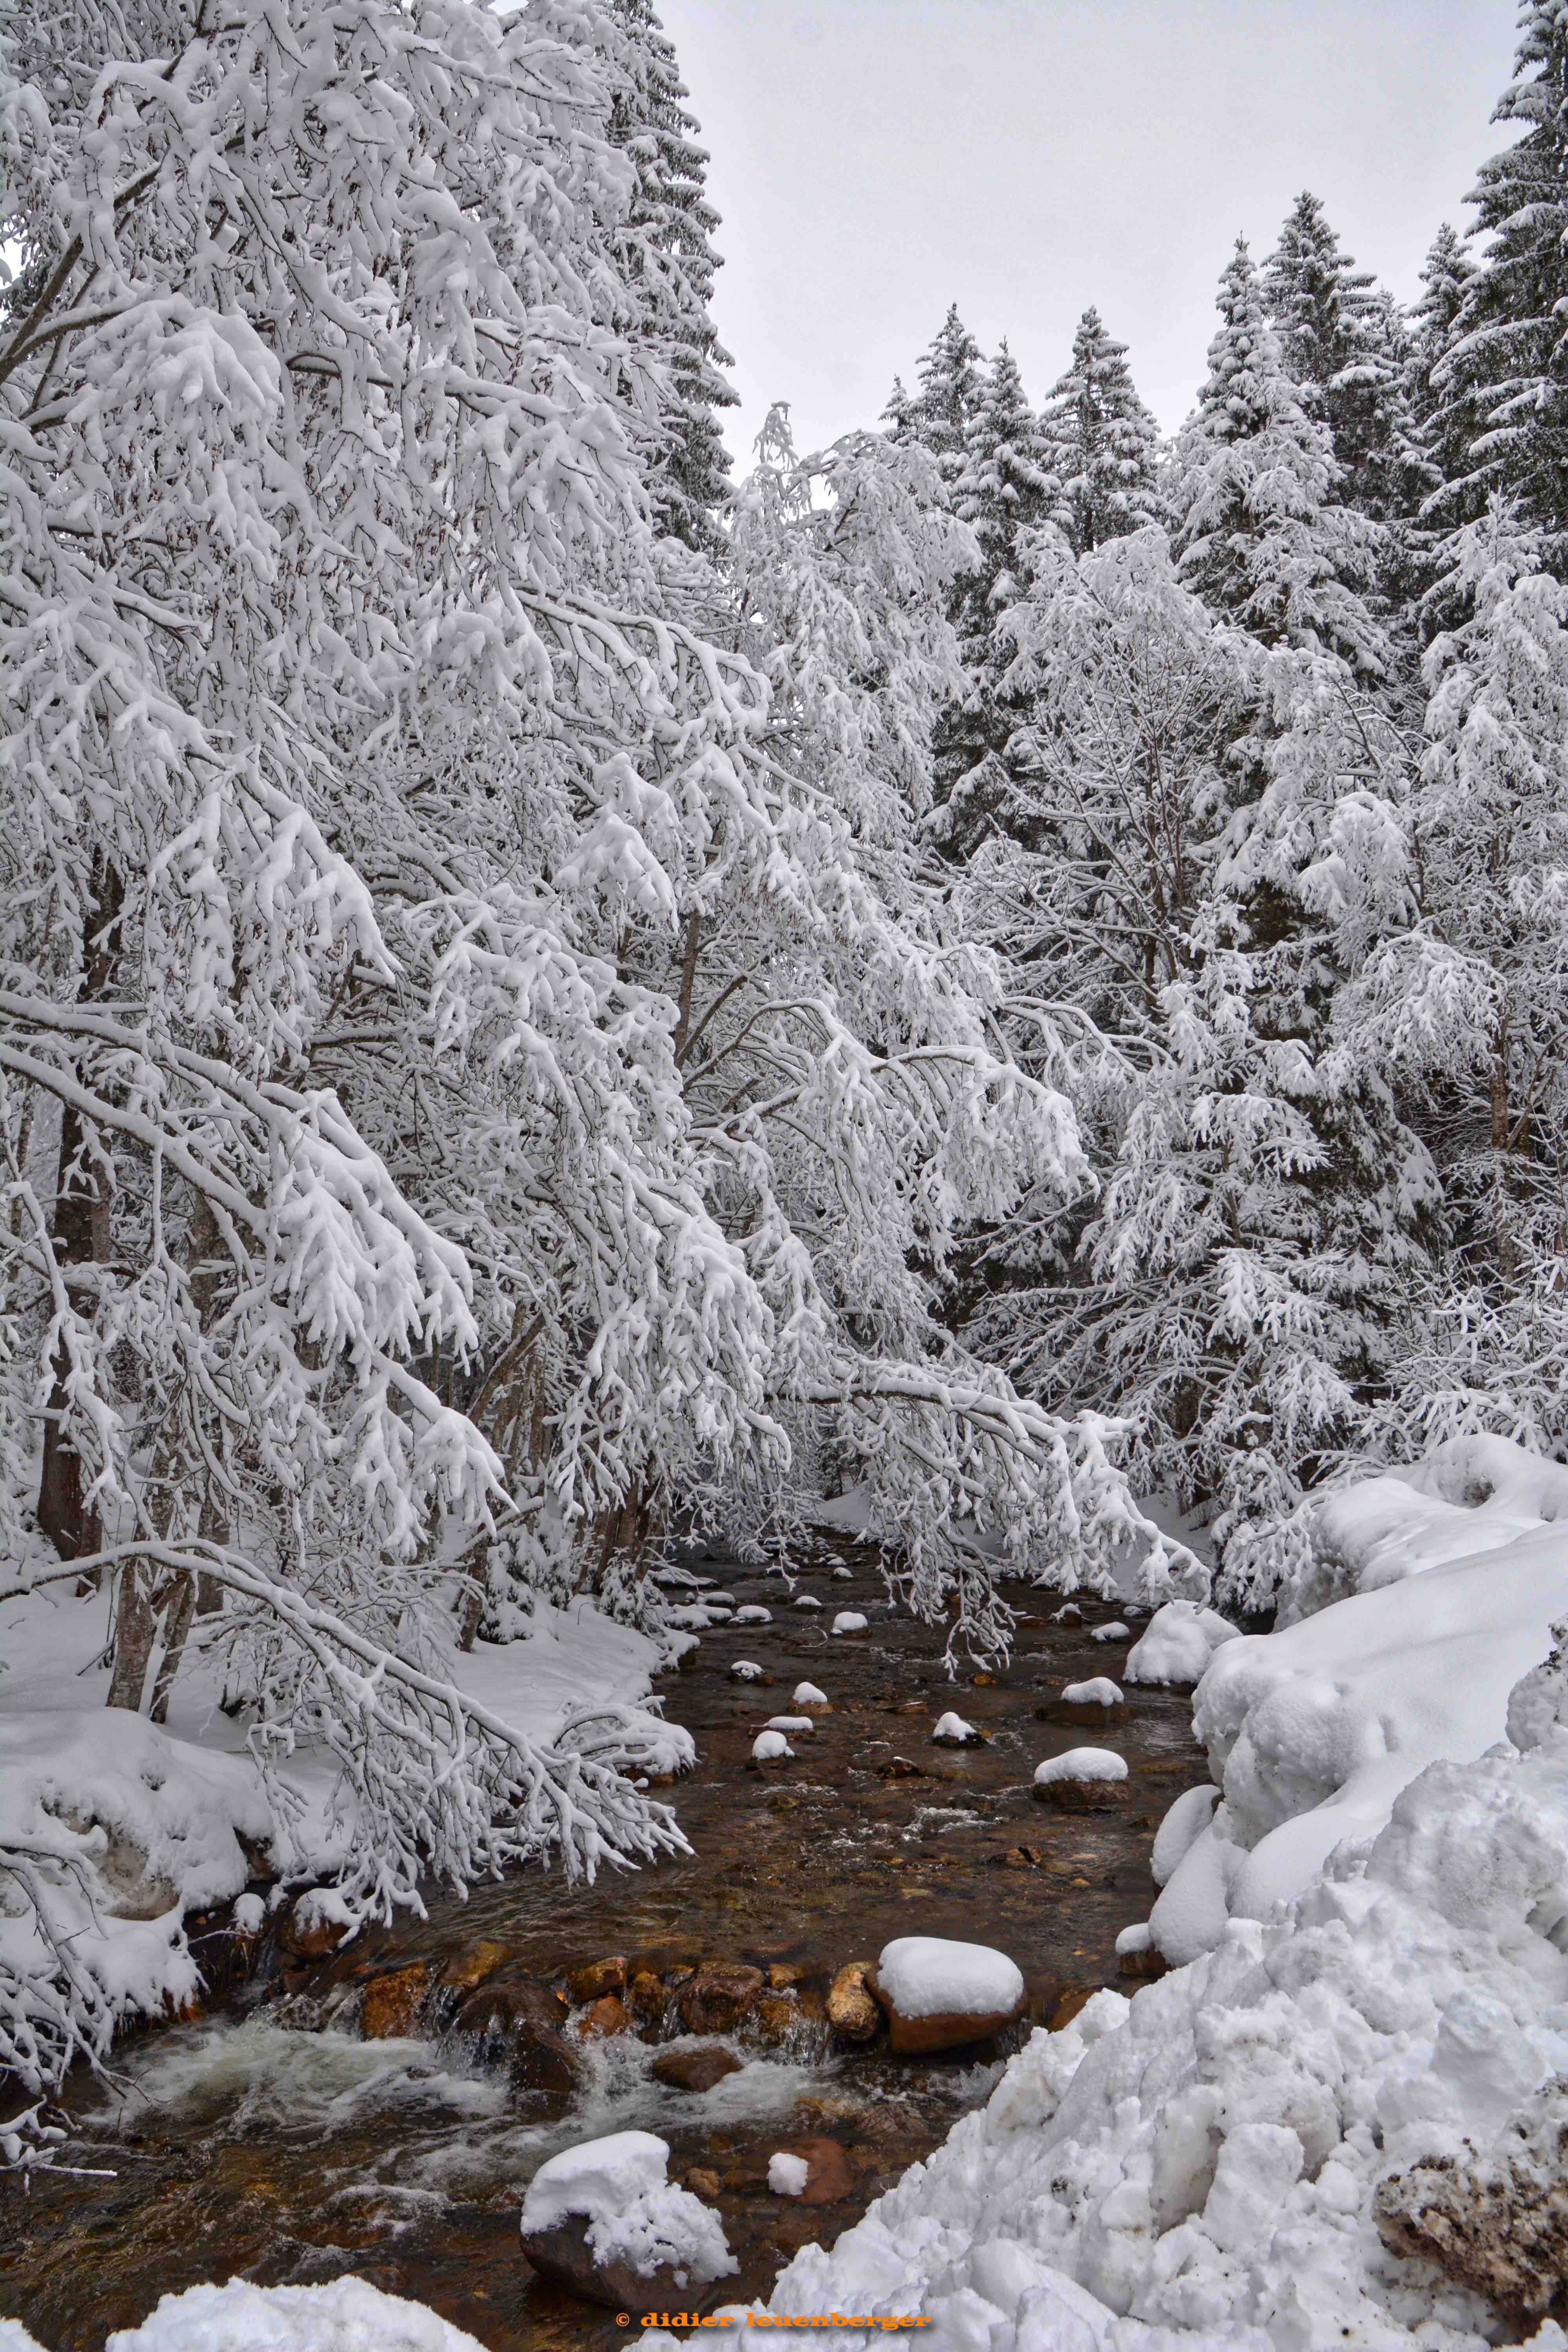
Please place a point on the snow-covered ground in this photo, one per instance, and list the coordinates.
(348, 2315)
(131, 1826)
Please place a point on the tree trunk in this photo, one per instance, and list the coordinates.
(1507, 1255)
(132, 1638)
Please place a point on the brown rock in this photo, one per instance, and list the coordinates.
(773, 2018)
(563, 2254)
(471, 1966)
(701, 2183)
(1141, 1964)
(1066, 2009)
(828, 2178)
(1061, 1710)
(716, 1998)
(305, 1934)
(647, 1995)
(949, 2029)
(982, 1682)
(1018, 1857)
(602, 2020)
(523, 2020)
(781, 1974)
(899, 1767)
(852, 2013)
(391, 2004)
(1082, 1796)
(687, 1662)
(598, 1977)
(695, 2070)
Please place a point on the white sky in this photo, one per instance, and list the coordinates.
(875, 160)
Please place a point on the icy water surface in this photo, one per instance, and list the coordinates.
(270, 2140)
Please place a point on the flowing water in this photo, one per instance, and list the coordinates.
(269, 2139)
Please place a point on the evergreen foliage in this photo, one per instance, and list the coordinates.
(1104, 446)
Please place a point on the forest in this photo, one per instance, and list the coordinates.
(567, 992)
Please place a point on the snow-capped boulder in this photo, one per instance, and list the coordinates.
(746, 1670)
(849, 1621)
(753, 1613)
(603, 2220)
(347, 2315)
(938, 1995)
(1115, 1631)
(805, 1601)
(1177, 1644)
(771, 1748)
(792, 1726)
(807, 1694)
(1098, 1691)
(951, 1731)
(1084, 1779)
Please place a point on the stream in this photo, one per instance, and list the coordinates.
(268, 2138)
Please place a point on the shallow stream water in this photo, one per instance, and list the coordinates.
(269, 2139)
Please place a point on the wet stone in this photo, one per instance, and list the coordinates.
(600, 1976)
(602, 2020)
(852, 2013)
(716, 1998)
(473, 1964)
(390, 2010)
(696, 2070)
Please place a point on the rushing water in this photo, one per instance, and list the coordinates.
(270, 2141)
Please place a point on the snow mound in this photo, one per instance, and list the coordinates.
(753, 1613)
(805, 1601)
(807, 1694)
(1069, 1613)
(1177, 1644)
(790, 1723)
(618, 2184)
(348, 2315)
(747, 1669)
(927, 1976)
(1101, 1691)
(1470, 1496)
(130, 1828)
(770, 1748)
(787, 2175)
(1205, 2158)
(1081, 1764)
(1115, 1631)
(844, 1574)
(1313, 1731)
(849, 1621)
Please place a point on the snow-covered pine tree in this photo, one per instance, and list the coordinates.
(1237, 1284)
(1444, 430)
(1004, 486)
(899, 416)
(1342, 346)
(1468, 1001)
(1103, 444)
(951, 376)
(1261, 531)
(1504, 380)
(668, 262)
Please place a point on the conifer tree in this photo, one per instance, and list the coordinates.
(1260, 530)
(899, 420)
(1006, 486)
(1104, 445)
(669, 265)
(1342, 342)
(943, 409)
(1504, 380)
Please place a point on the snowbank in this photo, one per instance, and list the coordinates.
(346, 2317)
(1205, 2157)
(1177, 1644)
(136, 1826)
(927, 1976)
(1470, 1496)
(1314, 1731)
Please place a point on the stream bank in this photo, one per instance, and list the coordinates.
(270, 2138)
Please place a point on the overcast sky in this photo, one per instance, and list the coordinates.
(875, 160)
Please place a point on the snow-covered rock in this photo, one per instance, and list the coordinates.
(1177, 1644)
(787, 2174)
(807, 1694)
(805, 1601)
(790, 1724)
(753, 1613)
(1314, 1730)
(603, 2218)
(1081, 1764)
(1115, 1631)
(346, 2315)
(849, 1621)
(1099, 1691)
(746, 1670)
(771, 1748)
(938, 1995)
(951, 1731)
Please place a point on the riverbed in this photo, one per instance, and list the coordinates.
(268, 2138)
